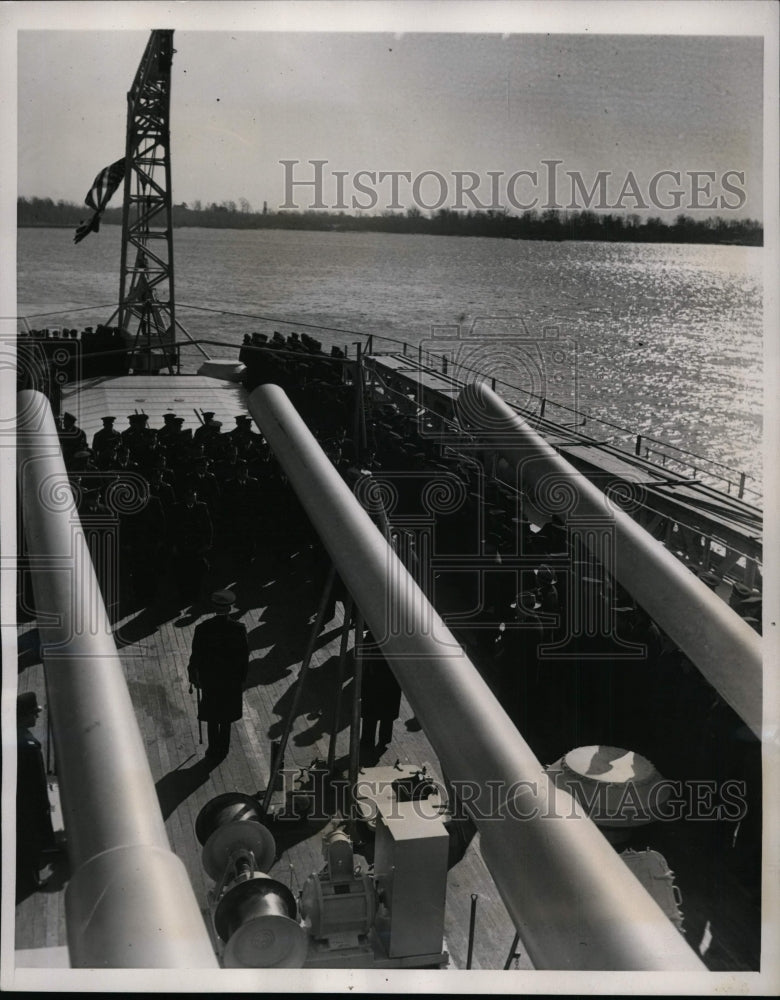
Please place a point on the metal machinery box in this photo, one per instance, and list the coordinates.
(410, 867)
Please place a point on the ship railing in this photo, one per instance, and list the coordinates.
(745, 564)
(622, 439)
(716, 552)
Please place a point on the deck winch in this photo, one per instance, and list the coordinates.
(346, 916)
(256, 918)
(228, 823)
(253, 915)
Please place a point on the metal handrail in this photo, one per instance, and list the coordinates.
(544, 402)
(195, 342)
(723, 646)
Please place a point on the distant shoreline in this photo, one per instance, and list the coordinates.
(550, 225)
(668, 237)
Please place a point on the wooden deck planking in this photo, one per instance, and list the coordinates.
(409, 745)
(155, 668)
(635, 471)
(94, 398)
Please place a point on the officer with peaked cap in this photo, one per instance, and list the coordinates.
(204, 482)
(226, 466)
(243, 438)
(72, 437)
(208, 435)
(160, 487)
(107, 437)
(218, 667)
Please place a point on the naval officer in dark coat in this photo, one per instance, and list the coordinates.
(72, 437)
(34, 831)
(218, 668)
(381, 697)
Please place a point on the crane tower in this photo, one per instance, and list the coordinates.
(146, 313)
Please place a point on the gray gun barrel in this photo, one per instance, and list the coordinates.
(129, 902)
(574, 902)
(725, 648)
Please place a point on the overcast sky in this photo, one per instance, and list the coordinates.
(242, 101)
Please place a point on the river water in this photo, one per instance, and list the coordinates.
(663, 339)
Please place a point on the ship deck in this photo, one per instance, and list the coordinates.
(276, 604)
(277, 601)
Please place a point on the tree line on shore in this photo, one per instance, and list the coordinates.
(550, 224)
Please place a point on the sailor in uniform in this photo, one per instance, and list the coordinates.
(142, 532)
(226, 466)
(123, 460)
(204, 483)
(107, 437)
(243, 438)
(160, 487)
(243, 497)
(192, 538)
(139, 439)
(72, 437)
(208, 433)
(177, 443)
(168, 429)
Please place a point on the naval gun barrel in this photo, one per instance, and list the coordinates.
(724, 648)
(574, 902)
(129, 902)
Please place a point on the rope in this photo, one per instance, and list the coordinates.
(274, 319)
(67, 312)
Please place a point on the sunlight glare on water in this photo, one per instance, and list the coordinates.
(663, 339)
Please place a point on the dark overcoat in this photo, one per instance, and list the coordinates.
(218, 666)
(381, 692)
(34, 830)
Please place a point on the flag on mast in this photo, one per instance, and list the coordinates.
(99, 195)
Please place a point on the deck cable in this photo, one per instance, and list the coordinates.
(67, 312)
(274, 319)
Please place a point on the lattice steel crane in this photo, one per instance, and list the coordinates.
(147, 311)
